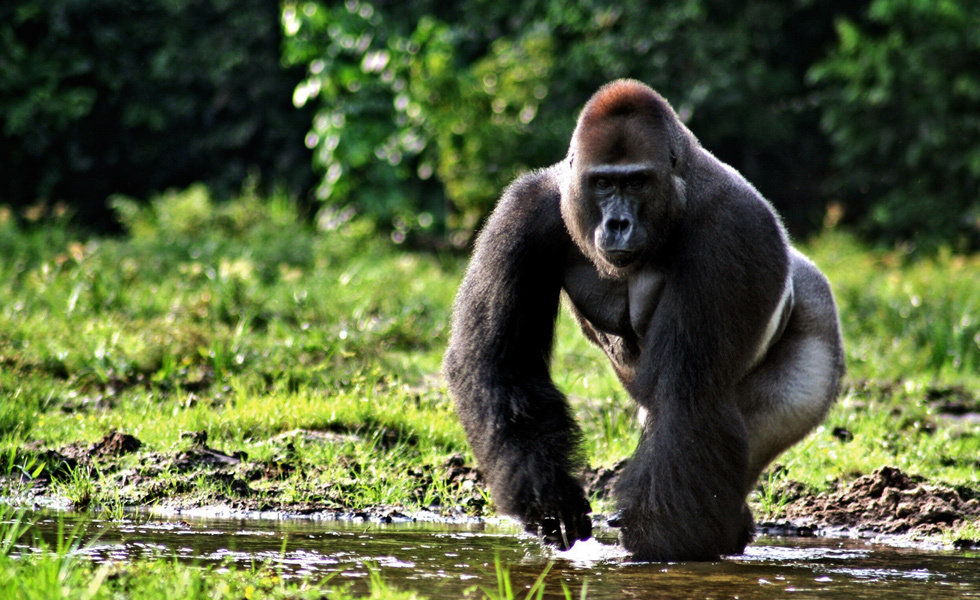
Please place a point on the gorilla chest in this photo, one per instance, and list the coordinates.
(619, 307)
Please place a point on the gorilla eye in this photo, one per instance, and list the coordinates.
(636, 184)
(602, 184)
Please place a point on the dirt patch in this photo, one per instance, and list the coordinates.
(199, 454)
(468, 480)
(956, 401)
(115, 443)
(194, 475)
(601, 482)
(887, 501)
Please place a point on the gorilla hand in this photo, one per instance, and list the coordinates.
(558, 513)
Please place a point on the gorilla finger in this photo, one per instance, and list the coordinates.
(553, 533)
(578, 526)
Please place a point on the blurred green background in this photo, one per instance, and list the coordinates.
(416, 114)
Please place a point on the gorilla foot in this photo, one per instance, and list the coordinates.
(660, 545)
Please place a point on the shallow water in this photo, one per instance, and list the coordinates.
(442, 561)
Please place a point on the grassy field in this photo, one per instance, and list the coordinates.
(242, 321)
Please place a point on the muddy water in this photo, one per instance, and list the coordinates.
(442, 561)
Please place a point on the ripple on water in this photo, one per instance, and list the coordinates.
(444, 560)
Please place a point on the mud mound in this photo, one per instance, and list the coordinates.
(886, 501)
(601, 482)
(115, 443)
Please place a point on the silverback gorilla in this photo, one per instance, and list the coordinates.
(681, 272)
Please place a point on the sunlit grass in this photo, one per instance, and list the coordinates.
(244, 321)
(905, 319)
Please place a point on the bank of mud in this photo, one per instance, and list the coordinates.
(203, 481)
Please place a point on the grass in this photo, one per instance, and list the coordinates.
(243, 321)
(237, 320)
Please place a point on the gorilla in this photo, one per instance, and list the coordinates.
(726, 337)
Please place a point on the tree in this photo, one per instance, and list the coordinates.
(901, 106)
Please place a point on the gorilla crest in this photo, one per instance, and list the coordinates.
(726, 337)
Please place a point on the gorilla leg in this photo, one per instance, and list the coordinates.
(787, 395)
(680, 496)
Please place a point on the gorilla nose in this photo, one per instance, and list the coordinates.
(617, 240)
(618, 226)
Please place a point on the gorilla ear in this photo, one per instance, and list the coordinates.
(680, 190)
(677, 143)
(680, 142)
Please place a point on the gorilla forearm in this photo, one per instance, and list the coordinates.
(527, 446)
(524, 419)
(523, 435)
(520, 427)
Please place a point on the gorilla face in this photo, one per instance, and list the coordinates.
(622, 214)
(619, 192)
(621, 189)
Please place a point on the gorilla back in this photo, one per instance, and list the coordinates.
(681, 272)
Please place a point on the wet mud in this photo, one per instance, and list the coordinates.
(886, 502)
(889, 502)
(171, 482)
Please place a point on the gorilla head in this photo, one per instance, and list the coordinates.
(623, 188)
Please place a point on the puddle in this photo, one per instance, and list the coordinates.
(442, 561)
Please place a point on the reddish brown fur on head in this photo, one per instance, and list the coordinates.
(626, 122)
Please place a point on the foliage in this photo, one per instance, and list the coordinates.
(397, 108)
(904, 317)
(901, 107)
(418, 114)
(109, 96)
(470, 93)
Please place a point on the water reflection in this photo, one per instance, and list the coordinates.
(442, 561)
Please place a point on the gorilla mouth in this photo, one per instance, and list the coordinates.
(619, 258)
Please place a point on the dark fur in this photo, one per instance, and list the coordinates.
(684, 322)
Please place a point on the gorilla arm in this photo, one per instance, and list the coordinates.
(497, 365)
(682, 495)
